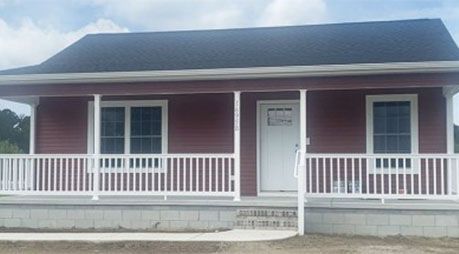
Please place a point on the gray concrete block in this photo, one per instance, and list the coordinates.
(344, 229)
(366, 230)
(446, 220)
(227, 215)
(388, 230)
(435, 232)
(333, 218)
(46, 223)
(150, 215)
(6, 213)
(178, 225)
(189, 215)
(319, 228)
(21, 213)
(76, 214)
(12, 223)
(94, 214)
(354, 219)
(140, 224)
(131, 214)
(169, 215)
(104, 224)
(209, 215)
(313, 217)
(411, 231)
(399, 219)
(377, 219)
(57, 213)
(213, 225)
(39, 213)
(452, 231)
(84, 223)
(198, 225)
(65, 223)
(29, 223)
(423, 220)
(112, 215)
(161, 226)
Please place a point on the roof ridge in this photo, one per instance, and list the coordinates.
(266, 27)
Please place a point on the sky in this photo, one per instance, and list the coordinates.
(33, 30)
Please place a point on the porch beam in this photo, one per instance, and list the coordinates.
(96, 152)
(237, 146)
(302, 166)
(33, 124)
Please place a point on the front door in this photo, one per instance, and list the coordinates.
(279, 139)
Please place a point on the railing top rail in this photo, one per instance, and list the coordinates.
(380, 156)
(191, 155)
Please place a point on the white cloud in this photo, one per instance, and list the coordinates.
(293, 12)
(202, 14)
(29, 43)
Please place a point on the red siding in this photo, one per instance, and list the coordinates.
(61, 125)
(202, 123)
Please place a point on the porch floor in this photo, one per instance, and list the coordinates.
(281, 202)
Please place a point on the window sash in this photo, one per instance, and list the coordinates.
(388, 128)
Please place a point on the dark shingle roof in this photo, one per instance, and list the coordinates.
(347, 43)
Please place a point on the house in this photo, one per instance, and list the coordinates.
(336, 128)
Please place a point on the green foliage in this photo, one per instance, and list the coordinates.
(7, 147)
(14, 132)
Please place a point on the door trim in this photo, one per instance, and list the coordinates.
(258, 115)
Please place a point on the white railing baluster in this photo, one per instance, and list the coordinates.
(449, 176)
(442, 180)
(435, 191)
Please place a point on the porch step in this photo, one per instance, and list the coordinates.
(260, 218)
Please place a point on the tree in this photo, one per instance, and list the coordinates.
(14, 131)
(7, 147)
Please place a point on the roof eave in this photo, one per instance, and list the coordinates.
(234, 73)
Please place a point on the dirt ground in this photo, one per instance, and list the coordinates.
(307, 244)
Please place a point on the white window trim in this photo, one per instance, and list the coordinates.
(414, 115)
(127, 123)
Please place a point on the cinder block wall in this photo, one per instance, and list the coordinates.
(148, 218)
(383, 222)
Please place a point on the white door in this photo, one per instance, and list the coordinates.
(279, 139)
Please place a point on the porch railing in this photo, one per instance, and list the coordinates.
(163, 174)
(423, 176)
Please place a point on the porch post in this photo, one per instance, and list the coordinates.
(237, 146)
(449, 123)
(96, 153)
(33, 123)
(302, 166)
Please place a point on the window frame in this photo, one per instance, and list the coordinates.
(414, 127)
(127, 104)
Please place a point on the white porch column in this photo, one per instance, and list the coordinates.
(237, 146)
(449, 123)
(302, 166)
(96, 153)
(33, 124)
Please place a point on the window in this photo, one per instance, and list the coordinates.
(130, 127)
(279, 116)
(392, 128)
(112, 130)
(146, 130)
